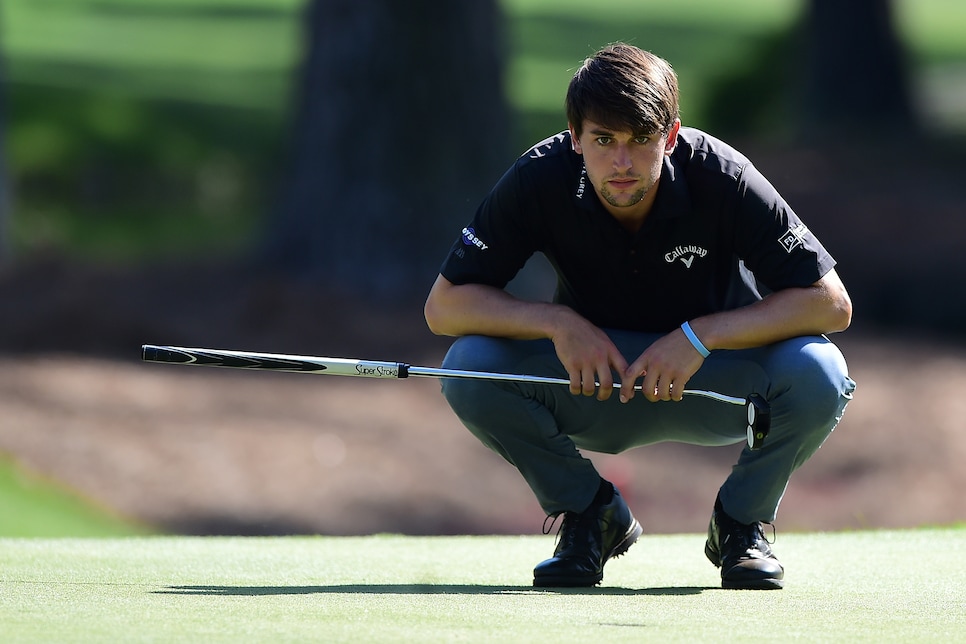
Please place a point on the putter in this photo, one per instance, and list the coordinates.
(759, 412)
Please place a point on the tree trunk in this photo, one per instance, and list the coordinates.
(400, 127)
(856, 75)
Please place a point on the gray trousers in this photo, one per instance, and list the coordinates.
(540, 429)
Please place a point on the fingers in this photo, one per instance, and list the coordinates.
(651, 385)
(605, 373)
(629, 382)
(589, 381)
(576, 381)
(583, 381)
(656, 384)
(606, 381)
(594, 374)
(590, 358)
(592, 380)
(664, 369)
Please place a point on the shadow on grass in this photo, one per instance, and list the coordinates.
(419, 589)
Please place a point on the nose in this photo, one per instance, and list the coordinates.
(622, 159)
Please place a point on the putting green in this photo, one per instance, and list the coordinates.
(903, 586)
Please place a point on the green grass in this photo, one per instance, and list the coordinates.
(234, 53)
(31, 506)
(883, 586)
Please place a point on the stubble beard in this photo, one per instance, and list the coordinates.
(623, 200)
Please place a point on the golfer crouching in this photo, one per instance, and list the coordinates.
(677, 264)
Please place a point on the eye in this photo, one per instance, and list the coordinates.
(642, 140)
(603, 140)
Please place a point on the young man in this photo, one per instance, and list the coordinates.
(677, 265)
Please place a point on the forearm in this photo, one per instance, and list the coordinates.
(467, 309)
(821, 308)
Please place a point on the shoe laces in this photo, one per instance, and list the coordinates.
(774, 532)
(549, 522)
(748, 535)
(569, 527)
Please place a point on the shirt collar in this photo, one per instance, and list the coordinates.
(672, 199)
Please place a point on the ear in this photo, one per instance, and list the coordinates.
(672, 137)
(574, 141)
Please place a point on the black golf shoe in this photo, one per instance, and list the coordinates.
(587, 540)
(743, 554)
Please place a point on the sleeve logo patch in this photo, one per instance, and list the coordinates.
(794, 238)
(470, 239)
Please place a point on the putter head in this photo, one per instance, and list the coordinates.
(759, 421)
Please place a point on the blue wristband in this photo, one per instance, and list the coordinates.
(693, 339)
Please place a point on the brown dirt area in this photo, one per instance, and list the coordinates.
(208, 451)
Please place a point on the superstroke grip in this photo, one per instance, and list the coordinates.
(273, 362)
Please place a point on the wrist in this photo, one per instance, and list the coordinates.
(694, 340)
(555, 319)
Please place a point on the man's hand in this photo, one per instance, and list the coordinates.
(588, 355)
(666, 365)
(585, 351)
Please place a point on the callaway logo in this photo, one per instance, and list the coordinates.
(686, 254)
(794, 238)
(470, 239)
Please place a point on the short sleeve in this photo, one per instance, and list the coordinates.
(502, 236)
(771, 240)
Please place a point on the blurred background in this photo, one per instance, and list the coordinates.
(287, 176)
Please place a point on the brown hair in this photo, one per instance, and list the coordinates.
(625, 88)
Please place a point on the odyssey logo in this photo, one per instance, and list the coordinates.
(470, 239)
(686, 254)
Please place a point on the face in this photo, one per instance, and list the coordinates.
(623, 167)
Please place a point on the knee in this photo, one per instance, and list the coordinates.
(823, 366)
(471, 397)
(479, 353)
(473, 353)
(817, 379)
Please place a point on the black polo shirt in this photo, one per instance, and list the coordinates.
(719, 236)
